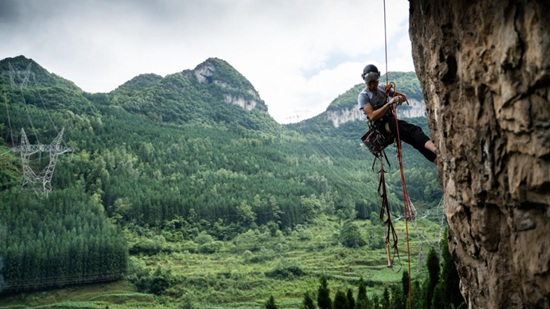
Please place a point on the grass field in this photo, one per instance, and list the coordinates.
(245, 271)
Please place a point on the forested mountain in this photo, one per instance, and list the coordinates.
(195, 151)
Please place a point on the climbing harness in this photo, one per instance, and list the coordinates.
(376, 142)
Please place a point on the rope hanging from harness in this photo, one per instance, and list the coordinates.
(408, 212)
(391, 239)
(407, 204)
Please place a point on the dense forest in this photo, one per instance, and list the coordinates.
(157, 155)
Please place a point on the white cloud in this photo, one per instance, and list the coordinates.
(100, 45)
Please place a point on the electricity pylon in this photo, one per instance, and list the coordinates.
(40, 183)
(26, 75)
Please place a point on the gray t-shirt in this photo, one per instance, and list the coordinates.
(377, 99)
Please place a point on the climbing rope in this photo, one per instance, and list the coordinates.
(408, 213)
(407, 205)
(391, 239)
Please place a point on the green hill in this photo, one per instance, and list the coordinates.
(38, 76)
(190, 153)
(139, 82)
(213, 93)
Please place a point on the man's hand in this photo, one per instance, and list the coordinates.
(397, 100)
(403, 97)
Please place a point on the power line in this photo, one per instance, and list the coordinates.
(20, 87)
(329, 167)
(423, 240)
(45, 108)
(9, 120)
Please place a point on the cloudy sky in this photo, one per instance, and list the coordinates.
(299, 54)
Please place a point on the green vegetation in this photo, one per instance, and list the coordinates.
(433, 279)
(45, 243)
(308, 302)
(323, 295)
(240, 275)
(139, 82)
(397, 295)
(270, 303)
(447, 291)
(195, 202)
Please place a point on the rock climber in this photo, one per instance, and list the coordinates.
(372, 100)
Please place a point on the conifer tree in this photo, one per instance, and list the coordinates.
(405, 282)
(362, 298)
(270, 303)
(308, 302)
(396, 299)
(385, 302)
(439, 299)
(405, 289)
(433, 272)
(351, 300)
(376, 301)
(323, 295)
(416, 295)
(449, 275)
(340, 300)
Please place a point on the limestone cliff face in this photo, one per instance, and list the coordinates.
(485, 70)
(337, 117)
(212, 70)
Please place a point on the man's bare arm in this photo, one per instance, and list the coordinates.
(377, 114)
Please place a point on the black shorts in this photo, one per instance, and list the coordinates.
(412, 135)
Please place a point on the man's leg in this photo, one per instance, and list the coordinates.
(414, 136)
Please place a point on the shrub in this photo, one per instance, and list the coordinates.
(190, 247)
(203, 238)
(281, 247)
(350, 236)
(305, 235)
(187, 302)
(285, 270)
(247, 255)
(211, 247)
(247, 240)
(152, 282)
(145, 246)
(263, 255)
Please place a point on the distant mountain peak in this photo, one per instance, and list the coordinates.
(206, 94)
(139, 82)
(17, 59)
(18, 68)
(215, 69)
(220, 73)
